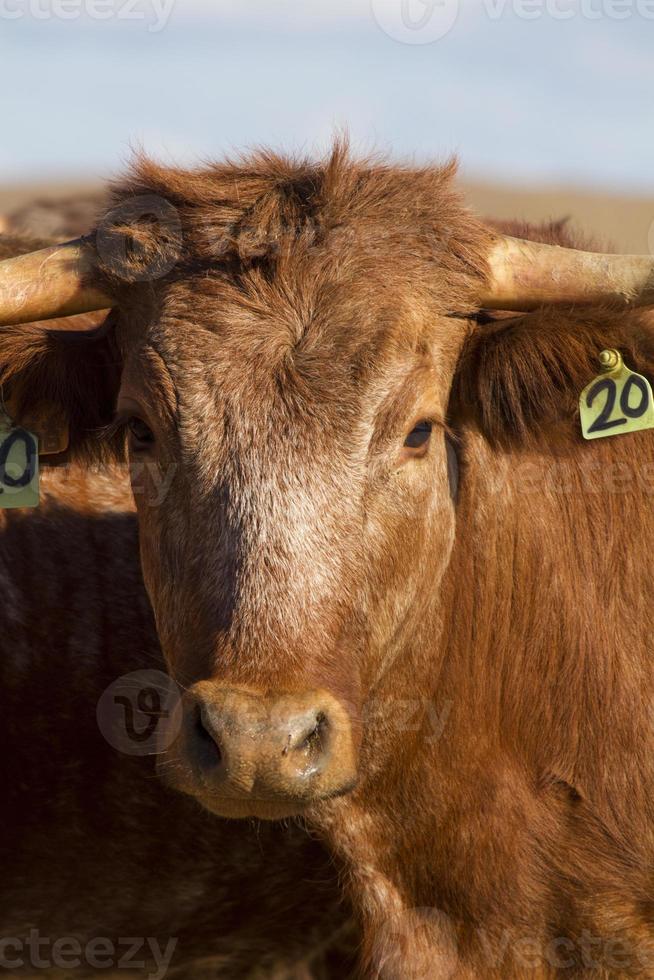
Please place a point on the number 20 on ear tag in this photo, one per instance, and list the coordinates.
(617, 401)
(19, 466)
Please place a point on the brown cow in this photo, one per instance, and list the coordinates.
(403, 599)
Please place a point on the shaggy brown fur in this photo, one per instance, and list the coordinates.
(490, 641)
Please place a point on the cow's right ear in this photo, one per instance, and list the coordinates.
(60, 379)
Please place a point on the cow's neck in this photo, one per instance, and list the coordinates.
(531, 665)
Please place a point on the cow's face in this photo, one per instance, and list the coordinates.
(295, 515)
(286, 428)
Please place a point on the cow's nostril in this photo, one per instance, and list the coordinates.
(312, 740)
(208, 744)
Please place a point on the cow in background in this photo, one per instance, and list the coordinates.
(93, 846)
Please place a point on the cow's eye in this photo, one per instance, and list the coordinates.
(141, 436)
(418, 438)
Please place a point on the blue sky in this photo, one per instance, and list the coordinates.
(521, 90)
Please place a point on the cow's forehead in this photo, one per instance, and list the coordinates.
(295, 348)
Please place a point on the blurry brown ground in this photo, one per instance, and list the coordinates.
(621, 221)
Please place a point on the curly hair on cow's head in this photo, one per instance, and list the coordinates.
(259, 210)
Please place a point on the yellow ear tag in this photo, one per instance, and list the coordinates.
(617, 401)
(19, 466)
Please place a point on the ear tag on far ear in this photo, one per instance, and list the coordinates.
(617, 401)
(19, 466)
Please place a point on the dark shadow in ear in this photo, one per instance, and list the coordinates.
(66, 373)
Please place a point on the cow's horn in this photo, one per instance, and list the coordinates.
(525, 275)
(56, 281)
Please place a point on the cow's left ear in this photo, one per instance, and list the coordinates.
(60, 380)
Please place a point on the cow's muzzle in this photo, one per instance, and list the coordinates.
(255, 754)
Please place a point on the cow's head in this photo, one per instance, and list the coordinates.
(279, 357)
